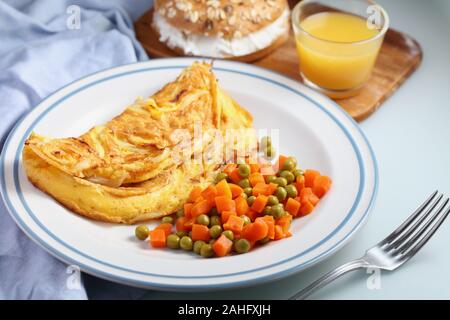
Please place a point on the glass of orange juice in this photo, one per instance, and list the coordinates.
(338, 42)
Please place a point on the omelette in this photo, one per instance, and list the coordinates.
(126, 171)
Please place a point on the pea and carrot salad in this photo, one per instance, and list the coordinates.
(249, 205)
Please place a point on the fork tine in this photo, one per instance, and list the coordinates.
(408, 221)
(412, 242)
(427, 237)
(417, 223)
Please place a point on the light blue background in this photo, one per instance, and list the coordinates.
(410, 135)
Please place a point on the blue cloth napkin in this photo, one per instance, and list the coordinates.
(44, 46)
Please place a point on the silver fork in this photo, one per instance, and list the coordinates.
(397, 248)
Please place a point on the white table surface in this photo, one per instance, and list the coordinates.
(410, 135)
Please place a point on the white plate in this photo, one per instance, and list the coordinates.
(312, 128)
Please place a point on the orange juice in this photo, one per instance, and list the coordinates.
(337, 50)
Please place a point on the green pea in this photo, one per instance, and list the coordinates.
(243, 195)
(294, 160)
(244, 170)
(215, 231)
(180, 213)
(281, 193)
(289, 164)
(181, 234)
(246, 220)
(229, 234)
(270, 179)
(141, 232)
(242, 246)
(272, 200)
(206, 251)
(203, 219)
(214, 221)
(198, 245)
(298, 172)
(244, 183)
(266, 142)
(282, 182)
(264, 240)
(213, 212)
(289, 176)
(267, 210)
(277, 211)
(248, 191)
(250, 200)
(291, 191)
(220, 176)
(173, 241)
(186, 243)
(167, 219)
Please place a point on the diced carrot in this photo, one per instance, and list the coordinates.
(195, 192)
(306, 208)
(310, 176)
(279, 234)
(306, 194)
(288, 234)
(229, 168)
(234, 223)
(235, 190)
(198, 199)
(321, 185)
(223, 203)
(252, 215)
(200, 232)
(241, 205)
(210, 193)
(255, 231)
(187, 209)
(260, 203)
(180, 224)
(279, 164)
(260, 188)
(223, 189)
(201, 207)
(167, 227)
(292, 206)
(300, 182)
(222, 246)
(158, 238)
(256, 178)
(285, 222)
(264, 189)
(234, 176)
(252, 244)
(270, 221)
(226, 215)
(254, 167)
(189, 223)
(272, 187)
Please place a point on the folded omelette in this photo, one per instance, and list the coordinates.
(125, 171)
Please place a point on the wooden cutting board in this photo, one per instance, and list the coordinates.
(399, 57)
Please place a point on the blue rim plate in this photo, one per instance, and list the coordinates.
(309, 126)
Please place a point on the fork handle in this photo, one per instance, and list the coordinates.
(329, 277)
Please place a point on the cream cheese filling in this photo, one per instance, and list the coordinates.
(218, 47)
